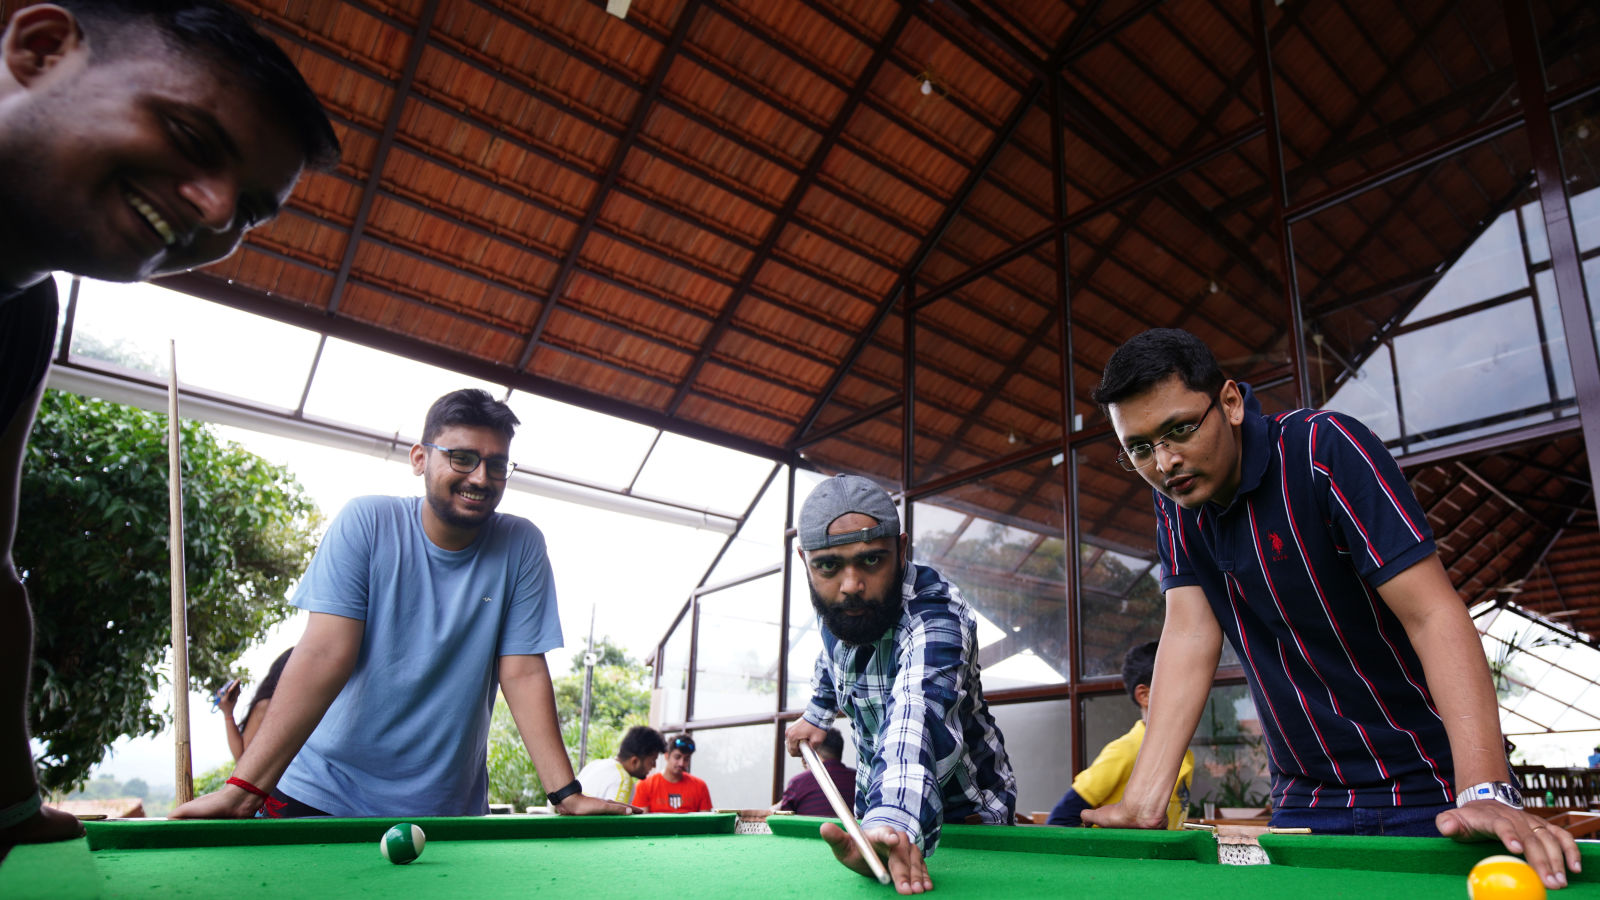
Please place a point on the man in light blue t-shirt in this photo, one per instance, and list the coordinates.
(420, 609)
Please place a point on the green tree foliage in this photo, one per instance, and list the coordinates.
(92, 549)
(213, 780)
(619, 700)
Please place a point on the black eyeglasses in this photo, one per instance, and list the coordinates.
(1140, 455)
(682, 743)
(466, 462)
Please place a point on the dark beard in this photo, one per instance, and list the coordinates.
(447, 513)
(858, 630)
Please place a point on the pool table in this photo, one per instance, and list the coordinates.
(700, 856)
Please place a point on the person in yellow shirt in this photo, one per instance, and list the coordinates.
(1103, 782)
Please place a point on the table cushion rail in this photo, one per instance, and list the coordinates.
(1430, 856)
(1198, 846)
(142, 834)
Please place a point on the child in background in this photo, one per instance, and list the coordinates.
(1104, 781)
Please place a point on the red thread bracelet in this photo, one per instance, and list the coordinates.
(272, 805)
(240, 782)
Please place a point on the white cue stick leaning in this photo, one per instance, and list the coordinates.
(183, 767)
(843, 811)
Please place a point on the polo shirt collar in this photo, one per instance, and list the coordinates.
(1256, 441)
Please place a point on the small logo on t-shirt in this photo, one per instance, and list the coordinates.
(675, 801)
(1277, 547)
(488, 599)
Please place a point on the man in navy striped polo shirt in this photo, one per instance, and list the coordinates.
(1296, 537)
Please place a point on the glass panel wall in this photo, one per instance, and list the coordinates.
(999, 540)
(701, 475)
(736, 764)
(1429, 327)
(1230, 754)
(1106, 717)
(759, 542)
(1039, 743)
(736, 664)
(803, 643)
(1120, 603)
(669, 704)
(1230, 757)
(792, 765)
(1119, 590)
(361, 386)
(593, 447)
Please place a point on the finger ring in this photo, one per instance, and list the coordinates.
(1540, 828)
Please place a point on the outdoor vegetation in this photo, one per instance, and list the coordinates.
(92, 548)
(620, 700)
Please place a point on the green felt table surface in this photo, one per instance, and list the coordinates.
(700, 856)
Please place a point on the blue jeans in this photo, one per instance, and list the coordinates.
(1403, 821)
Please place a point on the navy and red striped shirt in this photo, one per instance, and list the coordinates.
(1291, 566)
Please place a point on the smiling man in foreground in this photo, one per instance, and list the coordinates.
(136, 139)
(900, 658)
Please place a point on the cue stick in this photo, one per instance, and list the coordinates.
(843, 811)
(183, 768)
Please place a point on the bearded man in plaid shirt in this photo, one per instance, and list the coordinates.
(899, 658)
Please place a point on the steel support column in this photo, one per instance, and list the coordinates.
(1566, 264)
(1280, 202)
(1068, 477)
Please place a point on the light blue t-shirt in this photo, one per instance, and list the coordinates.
(408, 734)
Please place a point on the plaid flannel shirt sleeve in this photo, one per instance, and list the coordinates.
(920, 741)
(824, 706)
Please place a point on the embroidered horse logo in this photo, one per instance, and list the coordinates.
(1277, 547)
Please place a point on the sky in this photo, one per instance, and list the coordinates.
(632, 573)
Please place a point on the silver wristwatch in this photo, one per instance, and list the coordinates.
(1491, 790)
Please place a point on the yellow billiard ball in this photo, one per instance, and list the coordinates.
(1504, 878)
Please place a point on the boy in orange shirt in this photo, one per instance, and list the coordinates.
(674, 790)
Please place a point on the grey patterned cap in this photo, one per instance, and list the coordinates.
(841, 495)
